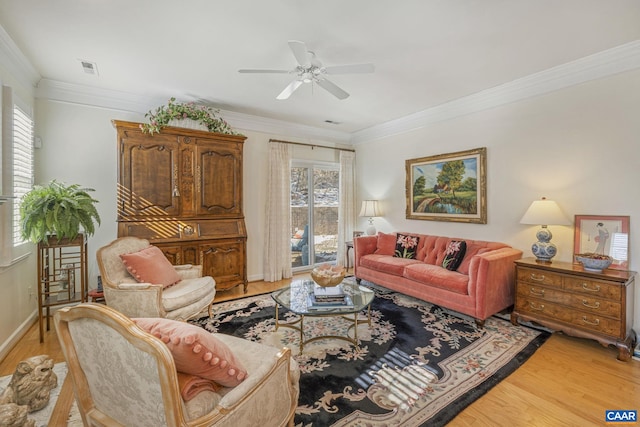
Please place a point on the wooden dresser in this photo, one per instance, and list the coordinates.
(563, 296)
(181, 189)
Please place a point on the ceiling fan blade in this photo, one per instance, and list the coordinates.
(301, 53)
(265, 71)
(332, 88)
(350, 69)
(291, 87)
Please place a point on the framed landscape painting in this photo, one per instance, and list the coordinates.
(448, 187)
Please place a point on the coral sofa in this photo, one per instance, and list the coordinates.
(482, 285)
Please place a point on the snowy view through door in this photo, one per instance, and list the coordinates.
(314, 223)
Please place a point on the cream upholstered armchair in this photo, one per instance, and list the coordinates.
(125, 376)
(138, 298)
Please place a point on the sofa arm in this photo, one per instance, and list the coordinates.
(492, 280)
(136, 299)
(363, 245)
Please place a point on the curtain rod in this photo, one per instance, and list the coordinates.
(312, 145)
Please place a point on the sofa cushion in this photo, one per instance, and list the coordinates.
(386, 244)
(439, 277)
(196, 351)
(149, 265)
(473, 249)
(406, 246)
(386, 263)
(454, 254)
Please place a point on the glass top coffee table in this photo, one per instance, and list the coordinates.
(295, 298)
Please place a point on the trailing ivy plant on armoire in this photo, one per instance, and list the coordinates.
(181, 189)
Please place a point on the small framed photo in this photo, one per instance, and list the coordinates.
(603, 234)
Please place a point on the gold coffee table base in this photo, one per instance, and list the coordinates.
(354, 325)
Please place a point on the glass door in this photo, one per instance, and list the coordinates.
(314, 214)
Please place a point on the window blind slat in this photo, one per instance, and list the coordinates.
(22, 163)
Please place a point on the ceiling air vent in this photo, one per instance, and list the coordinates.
(89, 67)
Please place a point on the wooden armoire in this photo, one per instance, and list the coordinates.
(181, 189)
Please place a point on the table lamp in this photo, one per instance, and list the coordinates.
(370, 208)
(544, 212)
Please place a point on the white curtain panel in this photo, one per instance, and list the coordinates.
(277, 253)
(347, 206)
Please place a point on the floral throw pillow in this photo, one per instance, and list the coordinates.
(454, 254)
(406, 246)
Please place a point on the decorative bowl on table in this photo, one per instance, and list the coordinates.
(594, 262)
(327, 275)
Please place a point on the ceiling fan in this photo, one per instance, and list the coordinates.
(311, 70)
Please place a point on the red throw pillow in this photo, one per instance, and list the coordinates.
(149, 265)
(386, 244)
(454, 254)
(196, 351)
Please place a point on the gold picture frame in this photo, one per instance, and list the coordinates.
(448, 187)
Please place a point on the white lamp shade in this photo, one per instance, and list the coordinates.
(370, 208)
(544, 212)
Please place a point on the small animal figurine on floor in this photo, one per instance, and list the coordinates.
(12, 415)
(31, 383)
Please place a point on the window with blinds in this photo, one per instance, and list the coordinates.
(22, 165)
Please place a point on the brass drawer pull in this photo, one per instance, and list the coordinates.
(536, 307)
(537, 277)
(596, 323)
(586, 304)
(534, 291)
(586, 287)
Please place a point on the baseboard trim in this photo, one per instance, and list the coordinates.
(11, 342)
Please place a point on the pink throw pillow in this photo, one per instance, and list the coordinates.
(196, 351)
(149, 265)
(386, 244)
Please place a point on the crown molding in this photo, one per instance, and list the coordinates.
(123, 101)
(616, 60)
(16, 63)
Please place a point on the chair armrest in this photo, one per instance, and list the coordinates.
(136, 299)
(133, 286)
(188, 271)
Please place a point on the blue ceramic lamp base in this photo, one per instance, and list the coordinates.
(543, 249)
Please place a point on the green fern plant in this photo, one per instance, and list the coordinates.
(57, 209)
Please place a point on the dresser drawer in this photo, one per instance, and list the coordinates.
(572, 300)
(581, 319)
(539, 277)
(595, 306)
(593, 288)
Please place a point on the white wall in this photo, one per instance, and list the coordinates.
(579, 146)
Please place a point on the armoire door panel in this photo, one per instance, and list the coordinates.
(219, 173)
(149, 178)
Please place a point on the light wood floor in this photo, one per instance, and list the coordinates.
(567, 382)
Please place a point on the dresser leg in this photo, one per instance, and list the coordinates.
(625, 348)
(514, 318)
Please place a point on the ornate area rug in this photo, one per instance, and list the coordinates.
(417, 364)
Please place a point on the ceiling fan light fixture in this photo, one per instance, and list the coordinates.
(311, 70)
